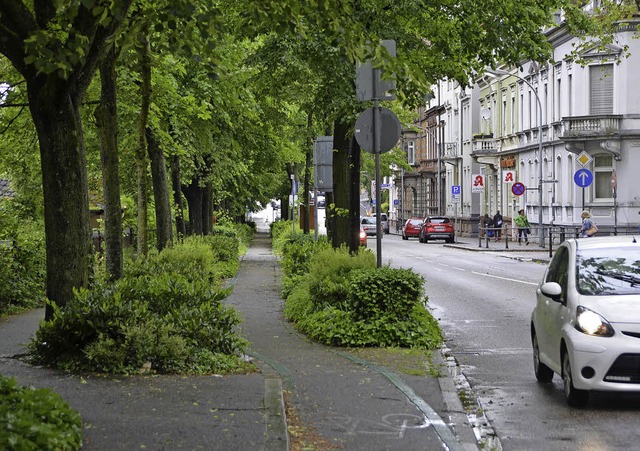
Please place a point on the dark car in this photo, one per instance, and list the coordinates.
(411, 228)
(437, 228)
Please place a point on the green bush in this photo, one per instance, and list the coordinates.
(381, 291)
(36, 419)
(347, 301)
(166, 311)
(329, 272)
(22, 260)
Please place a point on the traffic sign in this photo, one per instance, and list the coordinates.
(389, 134)
(455, 189)
(584, 158)
(583, 177)
(518, 188)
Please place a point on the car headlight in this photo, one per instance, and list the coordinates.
(590, 323)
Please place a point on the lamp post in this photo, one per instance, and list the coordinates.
(494, 73)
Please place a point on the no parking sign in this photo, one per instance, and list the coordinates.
(518, 188)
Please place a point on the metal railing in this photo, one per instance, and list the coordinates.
(555, 234)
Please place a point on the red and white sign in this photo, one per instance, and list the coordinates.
(477, 183)
(508, 176)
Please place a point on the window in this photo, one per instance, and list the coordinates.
(601, 88)
(603, 167)
(411, 152)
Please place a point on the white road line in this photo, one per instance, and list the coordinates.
(503, 278)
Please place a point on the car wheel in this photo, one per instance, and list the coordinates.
(543, 372)
(575, 397)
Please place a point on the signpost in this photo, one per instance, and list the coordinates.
(583, 178)
(518, 188)
(373, 121)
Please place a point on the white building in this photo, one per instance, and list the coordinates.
(589, 121)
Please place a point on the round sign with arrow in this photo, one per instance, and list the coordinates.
(583, 177)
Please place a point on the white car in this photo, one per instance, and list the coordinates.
(586, 323)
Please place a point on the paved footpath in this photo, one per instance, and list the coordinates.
(337, 400)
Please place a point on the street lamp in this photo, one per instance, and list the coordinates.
(496, 72)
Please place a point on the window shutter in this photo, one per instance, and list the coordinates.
(601, 88)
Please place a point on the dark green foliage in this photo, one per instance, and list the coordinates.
(380, 291)
(166, 311)
(329, 273)
(346, 300)
(22, 260)
(36, 419)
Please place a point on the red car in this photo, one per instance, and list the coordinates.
(363, 236)
(411, 228)
(437, 228)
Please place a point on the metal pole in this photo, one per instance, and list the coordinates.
(376, 147)
(315, 193)
(402, 198)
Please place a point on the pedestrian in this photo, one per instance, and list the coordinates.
(588, 227)
(523, 227)
(497, 224)
(487, 225)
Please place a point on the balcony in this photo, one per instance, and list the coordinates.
(483, 145)
(579, 128)
(450, 151)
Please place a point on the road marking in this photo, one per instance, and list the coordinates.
(503, 278)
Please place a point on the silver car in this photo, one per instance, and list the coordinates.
(585, 326)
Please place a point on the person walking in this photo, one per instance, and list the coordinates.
(588, 227)
(523, 227)
(497, 224)
(487, 225)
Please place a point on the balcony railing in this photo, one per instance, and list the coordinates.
(591, 126)
(484, 146)
(450, 151)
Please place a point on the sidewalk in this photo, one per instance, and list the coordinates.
(334, 399)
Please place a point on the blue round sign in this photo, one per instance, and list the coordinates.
(583, 177)
(518, 188)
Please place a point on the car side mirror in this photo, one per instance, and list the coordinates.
(552, 290)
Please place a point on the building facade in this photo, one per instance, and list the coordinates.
(569, 133)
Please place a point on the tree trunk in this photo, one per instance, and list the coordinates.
(340, 233)
(207, 210)
(141, 150)
(107, 124)
(181, 229)
(346, 189)
(66, 200)
(194, 195)
(161, 195)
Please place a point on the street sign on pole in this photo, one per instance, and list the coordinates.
(390, 129)
(583, 177)
(518, 188)
(584, 158)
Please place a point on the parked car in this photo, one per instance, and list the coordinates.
(437, 228)
(363, 236)
(384, 220)
(369, 225)
(411, 228)
(585, 326)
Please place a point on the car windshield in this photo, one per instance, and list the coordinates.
(438, 220)
(368, 220)
(613, 271)
(415, 222)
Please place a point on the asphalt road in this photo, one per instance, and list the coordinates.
(483, 302)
